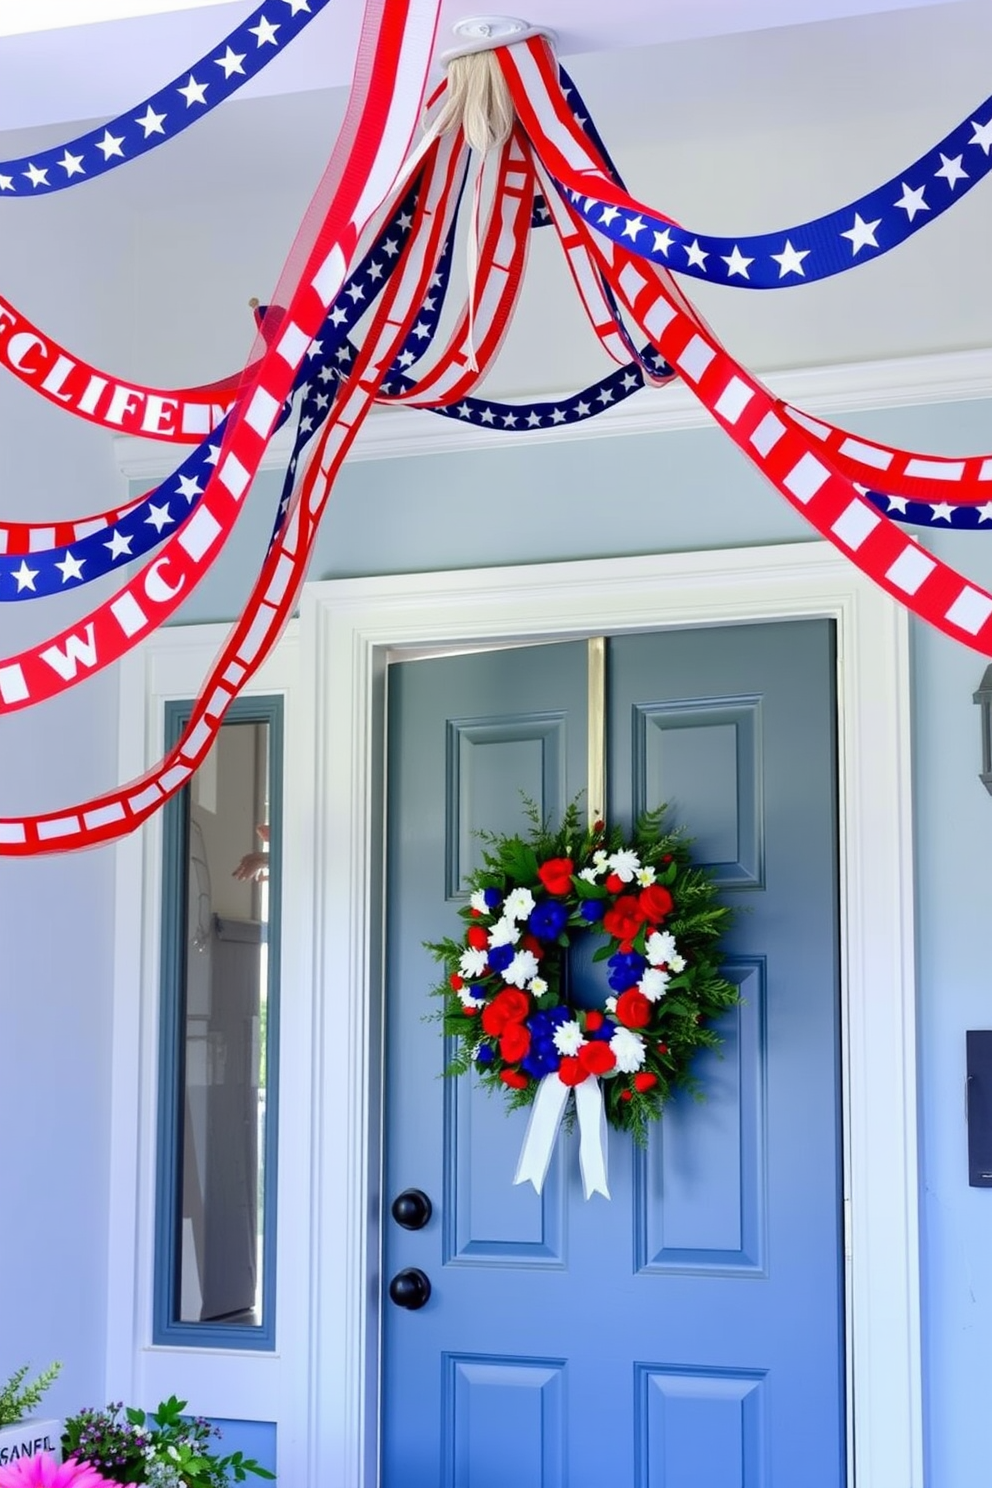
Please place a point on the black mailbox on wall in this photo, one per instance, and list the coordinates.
(980, 1107)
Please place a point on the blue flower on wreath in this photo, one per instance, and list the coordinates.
(492, 897)
(542, 1058)
(547, 919)
(484, 1055)
(626, 970)
(499, 957)
(592, 910)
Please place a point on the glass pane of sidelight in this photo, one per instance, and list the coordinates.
(215, 1228)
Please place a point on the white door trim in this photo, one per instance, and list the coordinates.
(349, 631)
(236, 1384)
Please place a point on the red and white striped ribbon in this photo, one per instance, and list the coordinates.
(394, 56)
(179, 415)
(963, 479)
(786, 453)
(571, 158)
(482, 323)
(38, 537)
(163, 584)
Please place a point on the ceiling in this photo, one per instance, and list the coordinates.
(735, 116)
(92, 71)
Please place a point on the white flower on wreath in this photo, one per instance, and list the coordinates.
(676, 964)
(628, 1047)
(624, 864)
(478, 902)
(472, 962)
(610, 1004)
(660, 947)
(600, 861)
(521, 970)
(518, 904)
(468, 1001)
(538, 986)
(654, 983)
(589, 874)
(568, 1039)
(504, 932)
(646, 877)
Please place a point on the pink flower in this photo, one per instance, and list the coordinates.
(45, 1472)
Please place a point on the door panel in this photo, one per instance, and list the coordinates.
(687, 1333)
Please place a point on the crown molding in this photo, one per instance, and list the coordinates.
(393, 433)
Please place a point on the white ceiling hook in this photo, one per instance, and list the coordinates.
(481, 33)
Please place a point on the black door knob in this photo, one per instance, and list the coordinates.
(410, 1288)
(412, 1209)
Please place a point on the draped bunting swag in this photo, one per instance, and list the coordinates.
(369, 297)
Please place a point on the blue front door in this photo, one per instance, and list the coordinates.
(688, 1333)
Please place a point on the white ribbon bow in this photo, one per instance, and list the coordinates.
(542, 1130)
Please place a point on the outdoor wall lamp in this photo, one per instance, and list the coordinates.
(983, 697)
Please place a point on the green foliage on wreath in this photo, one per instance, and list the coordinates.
(656, 914)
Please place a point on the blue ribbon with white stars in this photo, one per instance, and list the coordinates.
(195, 92)
(34, 575)
(959, 515)
(517, 418)
(828, 245)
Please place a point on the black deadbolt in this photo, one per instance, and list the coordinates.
(412, 1209)
(410, 1288)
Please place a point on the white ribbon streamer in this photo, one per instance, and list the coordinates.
(542, 1131)
(592, 1136)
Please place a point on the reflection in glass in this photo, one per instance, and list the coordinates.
(223, 1035)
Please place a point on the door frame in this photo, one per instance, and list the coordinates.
(350, 630)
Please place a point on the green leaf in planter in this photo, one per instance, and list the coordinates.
(18, 1400)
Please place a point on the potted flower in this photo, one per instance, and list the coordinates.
(165, 1449)
(22, 1434)
(44, 1471)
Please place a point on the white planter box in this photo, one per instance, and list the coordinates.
(30, 1439)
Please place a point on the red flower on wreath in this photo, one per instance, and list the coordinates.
(597, 1058)
(508, 1006)
(633, 1009)
(556, 875)
(478, 938)
(570, 1071)
(514, 1079)
(624, 919)
(645, 1080)
(656, 902)
(514, 1043)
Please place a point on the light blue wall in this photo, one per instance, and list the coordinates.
(56, 912)
(690, 490)
(254, 1439)
(626, 495)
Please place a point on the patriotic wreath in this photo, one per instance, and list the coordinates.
(506, 986)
